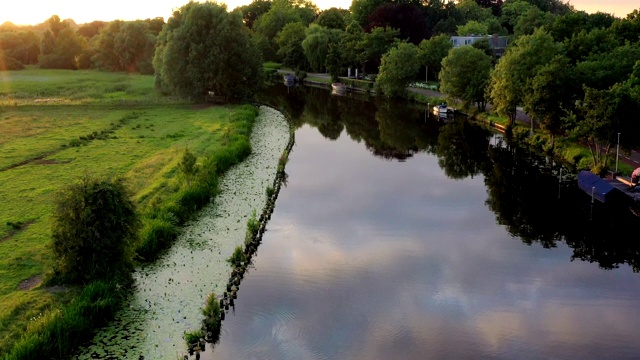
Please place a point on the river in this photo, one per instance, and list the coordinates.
(399, 235)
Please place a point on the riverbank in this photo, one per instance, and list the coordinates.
(50, 144)
(171, 292)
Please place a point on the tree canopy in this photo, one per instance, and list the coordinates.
(202, 49)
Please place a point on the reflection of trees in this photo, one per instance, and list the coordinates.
(403, 130)
(322, 111)
(462, 148)
(524, 193)
(522, 187)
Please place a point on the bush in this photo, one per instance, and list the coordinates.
(9, 63)
(302, 75)
(95, 223)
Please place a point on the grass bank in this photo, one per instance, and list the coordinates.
(56, 126)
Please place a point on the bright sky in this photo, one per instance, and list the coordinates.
(28, 12)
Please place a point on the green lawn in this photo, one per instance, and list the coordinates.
(56, 126)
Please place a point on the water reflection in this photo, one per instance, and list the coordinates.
(423, 256)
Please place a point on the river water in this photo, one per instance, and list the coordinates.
(402, 236)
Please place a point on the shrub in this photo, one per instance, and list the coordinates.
(302, 75)
(95, 223)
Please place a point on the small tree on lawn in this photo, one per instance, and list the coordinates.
(95, 223)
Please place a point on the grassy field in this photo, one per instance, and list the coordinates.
(56, 126)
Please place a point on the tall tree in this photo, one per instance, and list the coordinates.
(407, 18)
(601, 116)
(509, 80)
(375, 44)
(203, 48)
(316, 45)
(398, 68)
(290, 50)
(361, 9)
(333, 18)
(432, 52)
(552, 96)
(465, 74)
(67, 48)
(252, 11)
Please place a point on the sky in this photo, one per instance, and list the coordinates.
(30, 12)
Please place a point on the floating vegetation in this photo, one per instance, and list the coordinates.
(167, 302)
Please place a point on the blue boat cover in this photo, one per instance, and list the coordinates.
(594, 185)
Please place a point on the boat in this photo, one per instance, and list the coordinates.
(289, 79)
(598, 188)
(338, 86)
(441, 109)
(338, 89)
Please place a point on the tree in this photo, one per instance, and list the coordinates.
(520, 63)
(432, 52)
(333, 18)
(398, 68)
(494, 5)
(351, 46)
(203, 48)
(603, 70)
(68, 46)
(473, 28)
(375, 44)
(290, 41)
(251, 12)
(125, 46)
(531, 20)
(406, 18)
(601, 116)
(465, 74)
(552, 96)
(472, 11)
(361, 9)
(91, 29)
(333, 61)
(95, 224)
(23, 46)
(511, 11)
(316, 45)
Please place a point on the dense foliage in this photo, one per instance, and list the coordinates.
(95, 224)
(204, 49)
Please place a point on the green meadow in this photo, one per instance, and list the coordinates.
(57, 126)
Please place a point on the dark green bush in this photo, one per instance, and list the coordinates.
(95, 223)
(9, 63)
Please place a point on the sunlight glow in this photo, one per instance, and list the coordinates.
(31, 12)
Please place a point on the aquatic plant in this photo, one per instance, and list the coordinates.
(237, 256)
(211, 313)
